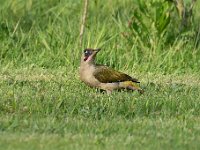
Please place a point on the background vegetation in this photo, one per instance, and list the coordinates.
(43, 105)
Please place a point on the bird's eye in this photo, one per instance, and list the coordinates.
(87, 53)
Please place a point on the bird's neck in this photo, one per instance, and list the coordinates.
(87, 64)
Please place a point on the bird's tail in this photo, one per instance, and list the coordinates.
(132, 86)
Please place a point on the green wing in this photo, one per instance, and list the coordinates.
(108, 75)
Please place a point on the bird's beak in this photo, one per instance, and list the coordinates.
(97, 50)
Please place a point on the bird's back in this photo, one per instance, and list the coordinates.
(105, 74)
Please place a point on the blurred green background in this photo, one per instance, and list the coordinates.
(138, 35)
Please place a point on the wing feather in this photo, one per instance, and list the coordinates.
(108, 75)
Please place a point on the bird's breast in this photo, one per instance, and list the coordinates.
(86, 75)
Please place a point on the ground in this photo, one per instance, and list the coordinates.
(52, 109)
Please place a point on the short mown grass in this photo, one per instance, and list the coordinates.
(51, 109)
(44, 105)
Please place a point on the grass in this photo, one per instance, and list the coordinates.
(40, 110)
(43, 104)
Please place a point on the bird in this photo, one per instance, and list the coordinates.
(103, 77)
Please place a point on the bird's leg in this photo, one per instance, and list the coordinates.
(109, 92)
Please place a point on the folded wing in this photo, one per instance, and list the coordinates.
(108, 75)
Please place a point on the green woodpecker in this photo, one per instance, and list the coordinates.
(103, 77)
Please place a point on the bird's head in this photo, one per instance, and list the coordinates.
(89, 54)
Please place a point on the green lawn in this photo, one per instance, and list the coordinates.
(44, 105)
(51, 109)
